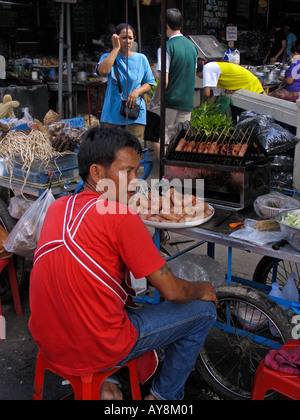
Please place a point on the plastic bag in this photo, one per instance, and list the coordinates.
(235, 57)
(139, 285)
(23, 239)
(274, 138)
(232, 57)
(252, 235)
(269, 205)
(202, 268)
(18, 206)
(27, 118)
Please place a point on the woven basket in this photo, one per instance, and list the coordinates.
(51, 117)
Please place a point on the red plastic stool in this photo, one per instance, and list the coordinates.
(9, 263)
(267, 379)
(85, 387)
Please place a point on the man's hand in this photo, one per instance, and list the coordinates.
(207, 293)
(178, 290)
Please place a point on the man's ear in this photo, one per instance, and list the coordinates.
(97, 172)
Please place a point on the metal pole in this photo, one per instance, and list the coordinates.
(61, 59)
(163, 87)
(139, 25)
(268, 15)
(69, 61)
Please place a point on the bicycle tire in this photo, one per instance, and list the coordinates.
(264, 272)
(234, 348)
(19, 262)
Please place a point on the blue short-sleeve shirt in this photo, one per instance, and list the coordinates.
(139, 73)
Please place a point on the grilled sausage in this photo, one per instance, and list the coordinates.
(236, 149)
(190, 146)
(202, 147)
(243, 150)
(181, 145)
(208, 145)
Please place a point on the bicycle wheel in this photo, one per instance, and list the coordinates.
(264, 272)
(5, 291)
(249, 325)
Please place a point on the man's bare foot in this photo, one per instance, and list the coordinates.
(110, 391)
(150, 397)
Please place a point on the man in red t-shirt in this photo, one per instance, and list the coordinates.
(88, 244)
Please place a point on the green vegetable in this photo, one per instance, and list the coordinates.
(209, 120)
(292, 219)
(273, 205)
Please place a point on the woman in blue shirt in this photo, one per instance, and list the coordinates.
(291, 88)
(291, 41)
(140, 80)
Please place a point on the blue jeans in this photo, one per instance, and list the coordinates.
(183, 328)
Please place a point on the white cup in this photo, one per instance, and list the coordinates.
(34, 75)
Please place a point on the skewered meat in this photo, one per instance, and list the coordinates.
(214, 148)
(208, 145)
(190, 146)
(195, 149)
(236, 149)
(181, 145)
(202, 147)
(243, 150)
(225, 149)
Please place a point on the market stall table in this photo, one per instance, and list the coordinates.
(88, 87)
(215, 233)
(221, 236)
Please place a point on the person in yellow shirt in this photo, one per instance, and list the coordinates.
(229, 76)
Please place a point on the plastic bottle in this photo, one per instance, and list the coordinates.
(277, 293)
(290, 291)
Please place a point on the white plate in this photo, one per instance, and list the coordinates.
(172, 225)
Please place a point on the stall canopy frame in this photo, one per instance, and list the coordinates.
(65, 16)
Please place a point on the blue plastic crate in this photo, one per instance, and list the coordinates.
(57, 172)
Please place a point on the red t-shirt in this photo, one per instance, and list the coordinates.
(77, 322)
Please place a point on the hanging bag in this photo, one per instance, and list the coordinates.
(133, 112)
(24, 237)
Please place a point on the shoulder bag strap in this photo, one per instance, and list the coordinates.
(118, 79)
(119, 83)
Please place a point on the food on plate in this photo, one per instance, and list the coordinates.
(173, 207)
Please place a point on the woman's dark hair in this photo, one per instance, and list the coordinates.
(100, 146)
(122, 26)
(296, 49)
(174, 19)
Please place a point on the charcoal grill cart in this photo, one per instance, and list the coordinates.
(231, 180)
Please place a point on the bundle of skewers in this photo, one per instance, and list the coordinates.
(229, 142)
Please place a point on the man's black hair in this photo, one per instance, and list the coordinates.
(100, 146)
(174, 19)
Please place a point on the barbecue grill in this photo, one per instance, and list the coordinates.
(230, 181)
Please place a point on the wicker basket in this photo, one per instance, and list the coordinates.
(51, 117)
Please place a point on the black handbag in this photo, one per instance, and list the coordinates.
(133, 112)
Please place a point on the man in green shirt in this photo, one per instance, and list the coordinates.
(180, 75)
